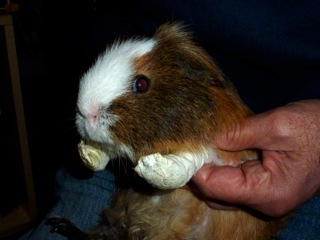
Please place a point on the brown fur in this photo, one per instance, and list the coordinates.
(188, 103)
(181, 215)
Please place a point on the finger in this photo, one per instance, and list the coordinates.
(253, 185)
(224, 183)
(212, 203)
(220, 205)
(249, 134)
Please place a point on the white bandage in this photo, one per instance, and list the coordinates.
(168, 171)
(92, 156)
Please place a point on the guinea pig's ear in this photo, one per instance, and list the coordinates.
(211, 78)
(218, 79)
(188, 55)
(173, 31)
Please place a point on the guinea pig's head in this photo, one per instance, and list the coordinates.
(147, 95)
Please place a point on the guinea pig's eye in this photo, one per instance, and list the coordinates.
(141, 84)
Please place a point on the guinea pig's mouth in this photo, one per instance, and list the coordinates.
(103, 114)
(90, 142)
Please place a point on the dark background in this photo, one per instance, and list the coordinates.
(58, 40)
(55, 43)
(48, 41)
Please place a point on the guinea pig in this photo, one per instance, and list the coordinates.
(162, 95)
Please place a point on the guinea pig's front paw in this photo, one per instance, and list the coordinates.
(93, 156)
(66, 228)
(166, 171)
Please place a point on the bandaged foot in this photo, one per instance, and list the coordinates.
(92, 156)
(167, 171)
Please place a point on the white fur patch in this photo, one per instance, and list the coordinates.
(106, 80)
(111, 74)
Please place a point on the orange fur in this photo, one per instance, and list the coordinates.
(179, 214)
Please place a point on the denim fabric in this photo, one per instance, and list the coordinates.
(79, 200)
(304, 224)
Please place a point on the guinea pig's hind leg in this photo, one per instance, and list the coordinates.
(66, 228)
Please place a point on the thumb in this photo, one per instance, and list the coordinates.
(247, 134)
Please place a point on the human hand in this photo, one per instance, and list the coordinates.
(289, 173)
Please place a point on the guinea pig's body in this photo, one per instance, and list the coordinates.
(164, 95)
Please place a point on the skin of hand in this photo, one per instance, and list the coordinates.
(289, 171)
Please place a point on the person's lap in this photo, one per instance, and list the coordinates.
(82, 200)
(79, 200)
(304, 224)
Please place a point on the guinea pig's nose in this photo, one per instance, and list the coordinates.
(92, 117)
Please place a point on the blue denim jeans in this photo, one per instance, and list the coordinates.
(304, 224)
(81, 201)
